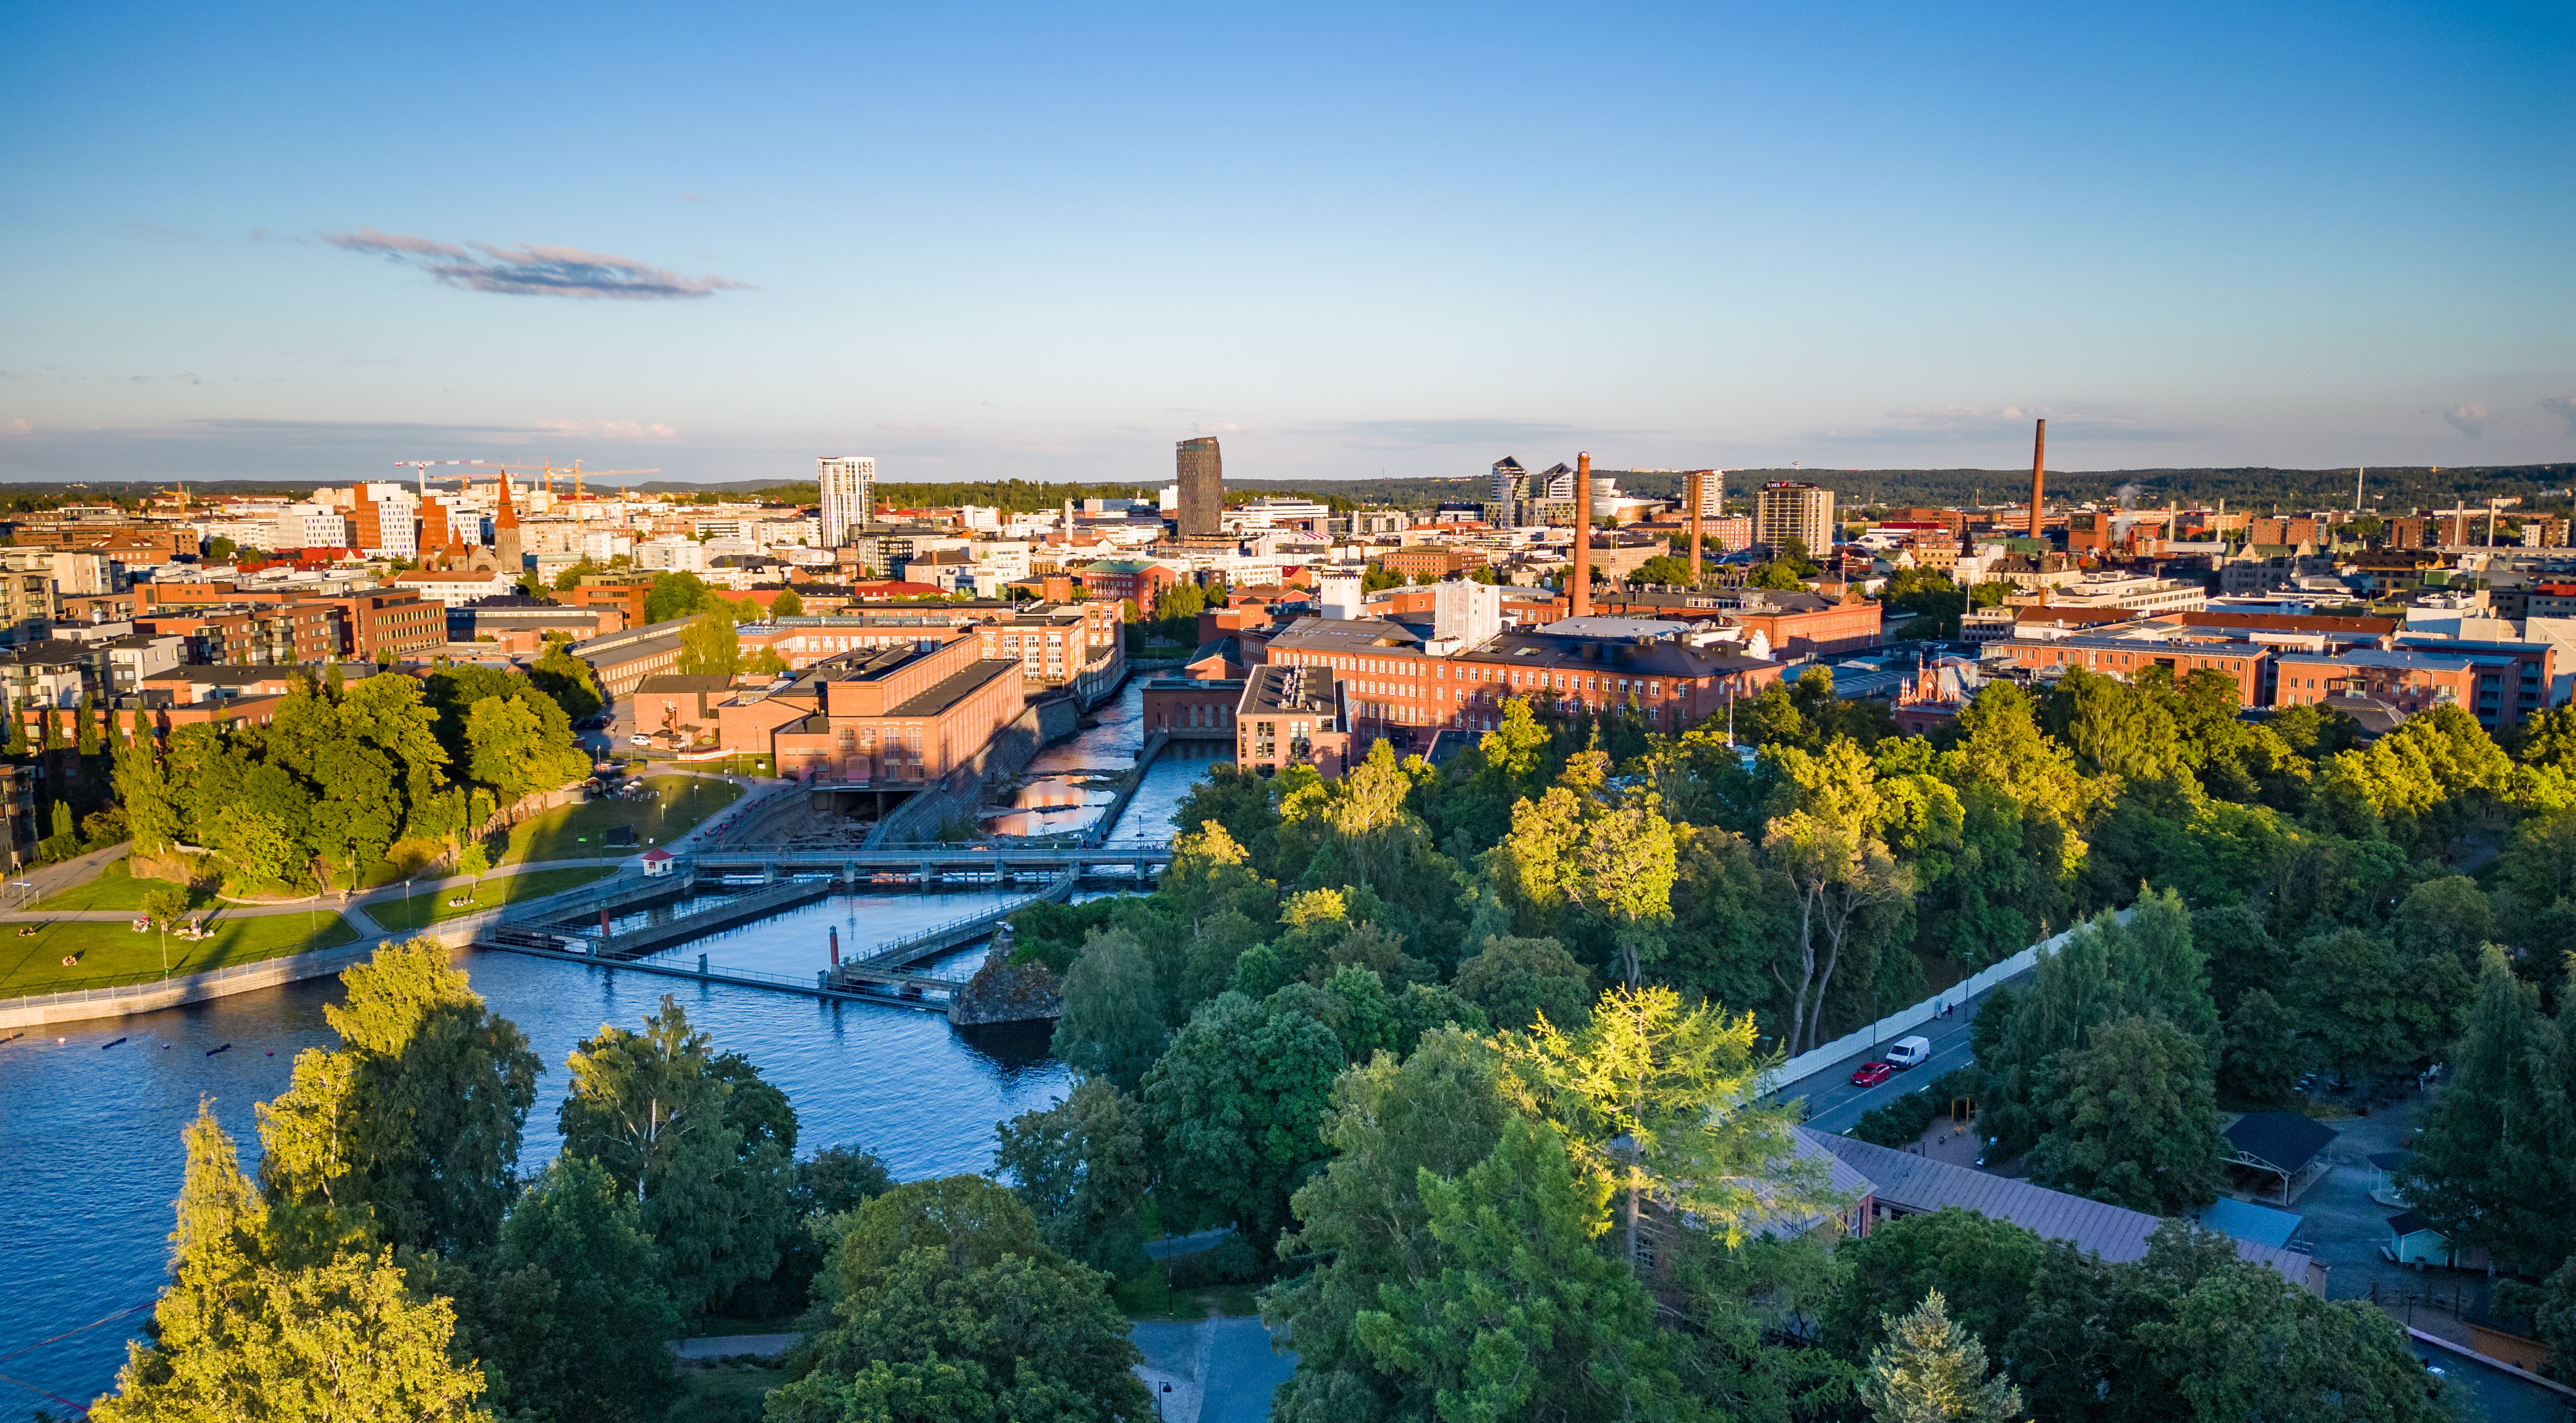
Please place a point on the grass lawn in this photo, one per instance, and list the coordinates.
(1149, 1297)
(574, 832)
(724, 1393)
(428, 905)
(110, 954)
(116, 888)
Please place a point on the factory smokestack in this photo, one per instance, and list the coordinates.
(2038, 475)
(1582, 605)
(1695, 484)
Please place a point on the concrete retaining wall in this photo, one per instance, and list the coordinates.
(960, 794)
(95, 1003)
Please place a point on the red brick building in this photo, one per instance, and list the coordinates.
(1193, 708)
(902, 716)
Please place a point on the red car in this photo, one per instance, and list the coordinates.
(1872, 1073)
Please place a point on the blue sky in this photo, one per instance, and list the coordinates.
(1050, 241)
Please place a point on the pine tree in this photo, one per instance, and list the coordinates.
(89, 737)
(17, 743)
(53, 729)
(1934, 1371)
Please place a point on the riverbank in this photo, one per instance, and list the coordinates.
(123, 1001)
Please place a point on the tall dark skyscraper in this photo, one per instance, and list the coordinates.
(1202, 478)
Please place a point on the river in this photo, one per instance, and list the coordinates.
(89, 1134)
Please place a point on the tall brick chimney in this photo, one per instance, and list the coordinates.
(2038, 475)
(1693, 504)
(1583, 535)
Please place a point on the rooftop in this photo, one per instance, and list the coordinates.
(1291, 691)
(2114, 1233)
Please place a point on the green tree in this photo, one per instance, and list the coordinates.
(139, 785)
(1516, 981)
(1081, 1168)
(1236, 1106)
(1520, 1316)
(476, 861)
(2501, 1137)
(1983, 1268)
(2264, 1055)
(1934, 1371)
(1112, 1025)
(788, 604)
(710, 646)
(676, 595)
(654, 1109)
(2132, 1119)
(165, 907)
(567, 679)
(1845, 882)
(1392, 1125)
(581, 1328)
(2371, 1010)
(944, 1305)
(1662, 1101)
(246, 1329)
(415, 1122)
(87, 722)
(517, 749)
(16, 710)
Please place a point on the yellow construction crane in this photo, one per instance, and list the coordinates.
(600, 473)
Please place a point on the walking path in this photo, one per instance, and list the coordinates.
(725, 1346)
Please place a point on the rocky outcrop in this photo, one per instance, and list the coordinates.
(1006, 992)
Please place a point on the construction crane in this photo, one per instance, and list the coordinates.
(600, 473)
(421, 468)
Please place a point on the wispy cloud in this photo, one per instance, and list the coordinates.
(2564, 407)
(1215, 427)
(882, 427)
(528, 269)
(691, 198)
(2469, 420)
(18, 426)
(608, 430)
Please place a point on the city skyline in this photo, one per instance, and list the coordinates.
(2304, 239)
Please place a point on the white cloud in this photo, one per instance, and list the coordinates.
(1217, 427)
(2469, 420)
(18, 426)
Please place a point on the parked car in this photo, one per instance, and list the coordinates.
(1909, 1053)
(640, 739)
(1872, 1073)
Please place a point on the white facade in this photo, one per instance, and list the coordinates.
(671, 556)
(849, 494)
(311, 526)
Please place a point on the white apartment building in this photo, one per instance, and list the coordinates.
(310, 526)
(790, 533)
(2153, 596)
(849, 494)
(671, 555)
(601, 545)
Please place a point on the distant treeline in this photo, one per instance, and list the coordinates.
(2393, 489)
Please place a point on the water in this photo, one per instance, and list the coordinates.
(90, 1138)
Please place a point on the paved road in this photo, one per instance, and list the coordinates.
(1222, 1370)
(1833, 1103)
(725, 1346)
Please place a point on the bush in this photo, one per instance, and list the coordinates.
(1901, 1122)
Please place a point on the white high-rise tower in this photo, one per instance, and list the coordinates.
(849, 495)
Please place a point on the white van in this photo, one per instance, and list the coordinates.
(1908, 1052)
